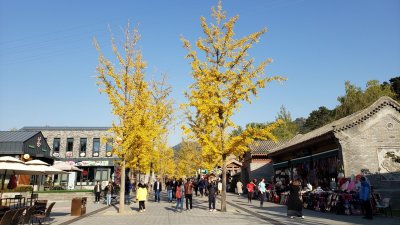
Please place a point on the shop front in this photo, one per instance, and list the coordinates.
(330, 160)
(92, 171)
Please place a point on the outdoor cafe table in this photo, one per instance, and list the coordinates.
(17, 202)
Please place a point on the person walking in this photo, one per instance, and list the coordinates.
(365, 191)
(219, 187)
(189, 194)
(97, 190)
(239, 187)
(295, 207)
(157, 187)
(196, 187)
(169, 190)
(141, 196)
(250, 191)
(261, 189)
(201, 187)
(128, 188)
(174, 185)
(109, 191)
(178, 195)
(212, 192)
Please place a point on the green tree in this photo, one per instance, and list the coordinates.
(318, 118)
(356, 99)
(395, 85)
(288, 129)
(300, 124)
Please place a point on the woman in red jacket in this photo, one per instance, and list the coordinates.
(250, 191)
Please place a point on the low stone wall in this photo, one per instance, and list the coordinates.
(66, 196)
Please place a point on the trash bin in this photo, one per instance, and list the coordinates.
(78, 206)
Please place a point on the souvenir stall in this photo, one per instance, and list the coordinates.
(281, 180)
(325, 188)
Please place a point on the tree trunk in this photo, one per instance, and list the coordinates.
(122, 188)
(223, 193)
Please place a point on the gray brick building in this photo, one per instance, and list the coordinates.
(88, 148)
(256, 164)
(358, 143)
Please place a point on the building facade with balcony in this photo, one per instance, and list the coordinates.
(88, 148)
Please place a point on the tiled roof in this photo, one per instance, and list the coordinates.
(62, 128)
(263, 147)
(16, 136)
(341, 124)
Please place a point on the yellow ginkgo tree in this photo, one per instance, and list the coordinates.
(224, 77)
(142, 109)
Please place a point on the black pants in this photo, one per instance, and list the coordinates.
(211, 201)
(188, 198)
(201, 192)
(249, 196)
(367, 207)
(261, 196)
(97, 196)
(141, 205)
(173, 193)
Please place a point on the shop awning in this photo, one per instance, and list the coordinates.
(326, 154)
(281, 165)
(301, 159)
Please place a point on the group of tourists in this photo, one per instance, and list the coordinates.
(182, 191)
(179, 191)
(261, 191)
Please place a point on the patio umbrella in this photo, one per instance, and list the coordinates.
(44, 167)
(64, 166)
(11, 165)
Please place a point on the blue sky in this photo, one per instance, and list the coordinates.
(48, 61)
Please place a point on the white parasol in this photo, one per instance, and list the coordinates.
(44, 167)
(64, 166)
(11, 165)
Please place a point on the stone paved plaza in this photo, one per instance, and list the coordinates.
(239, 212)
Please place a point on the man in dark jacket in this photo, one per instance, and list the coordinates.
(212, 192)
(97, 190)
(157, 187)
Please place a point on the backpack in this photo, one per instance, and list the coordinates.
(178, 192)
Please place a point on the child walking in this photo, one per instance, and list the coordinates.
(141, 195)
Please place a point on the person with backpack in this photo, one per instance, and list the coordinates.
(178, 196)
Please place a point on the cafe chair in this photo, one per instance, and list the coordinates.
(40, 206)
(384, 206)
(8, 216)
(42, 217)
(26, 219)
(17, 216)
